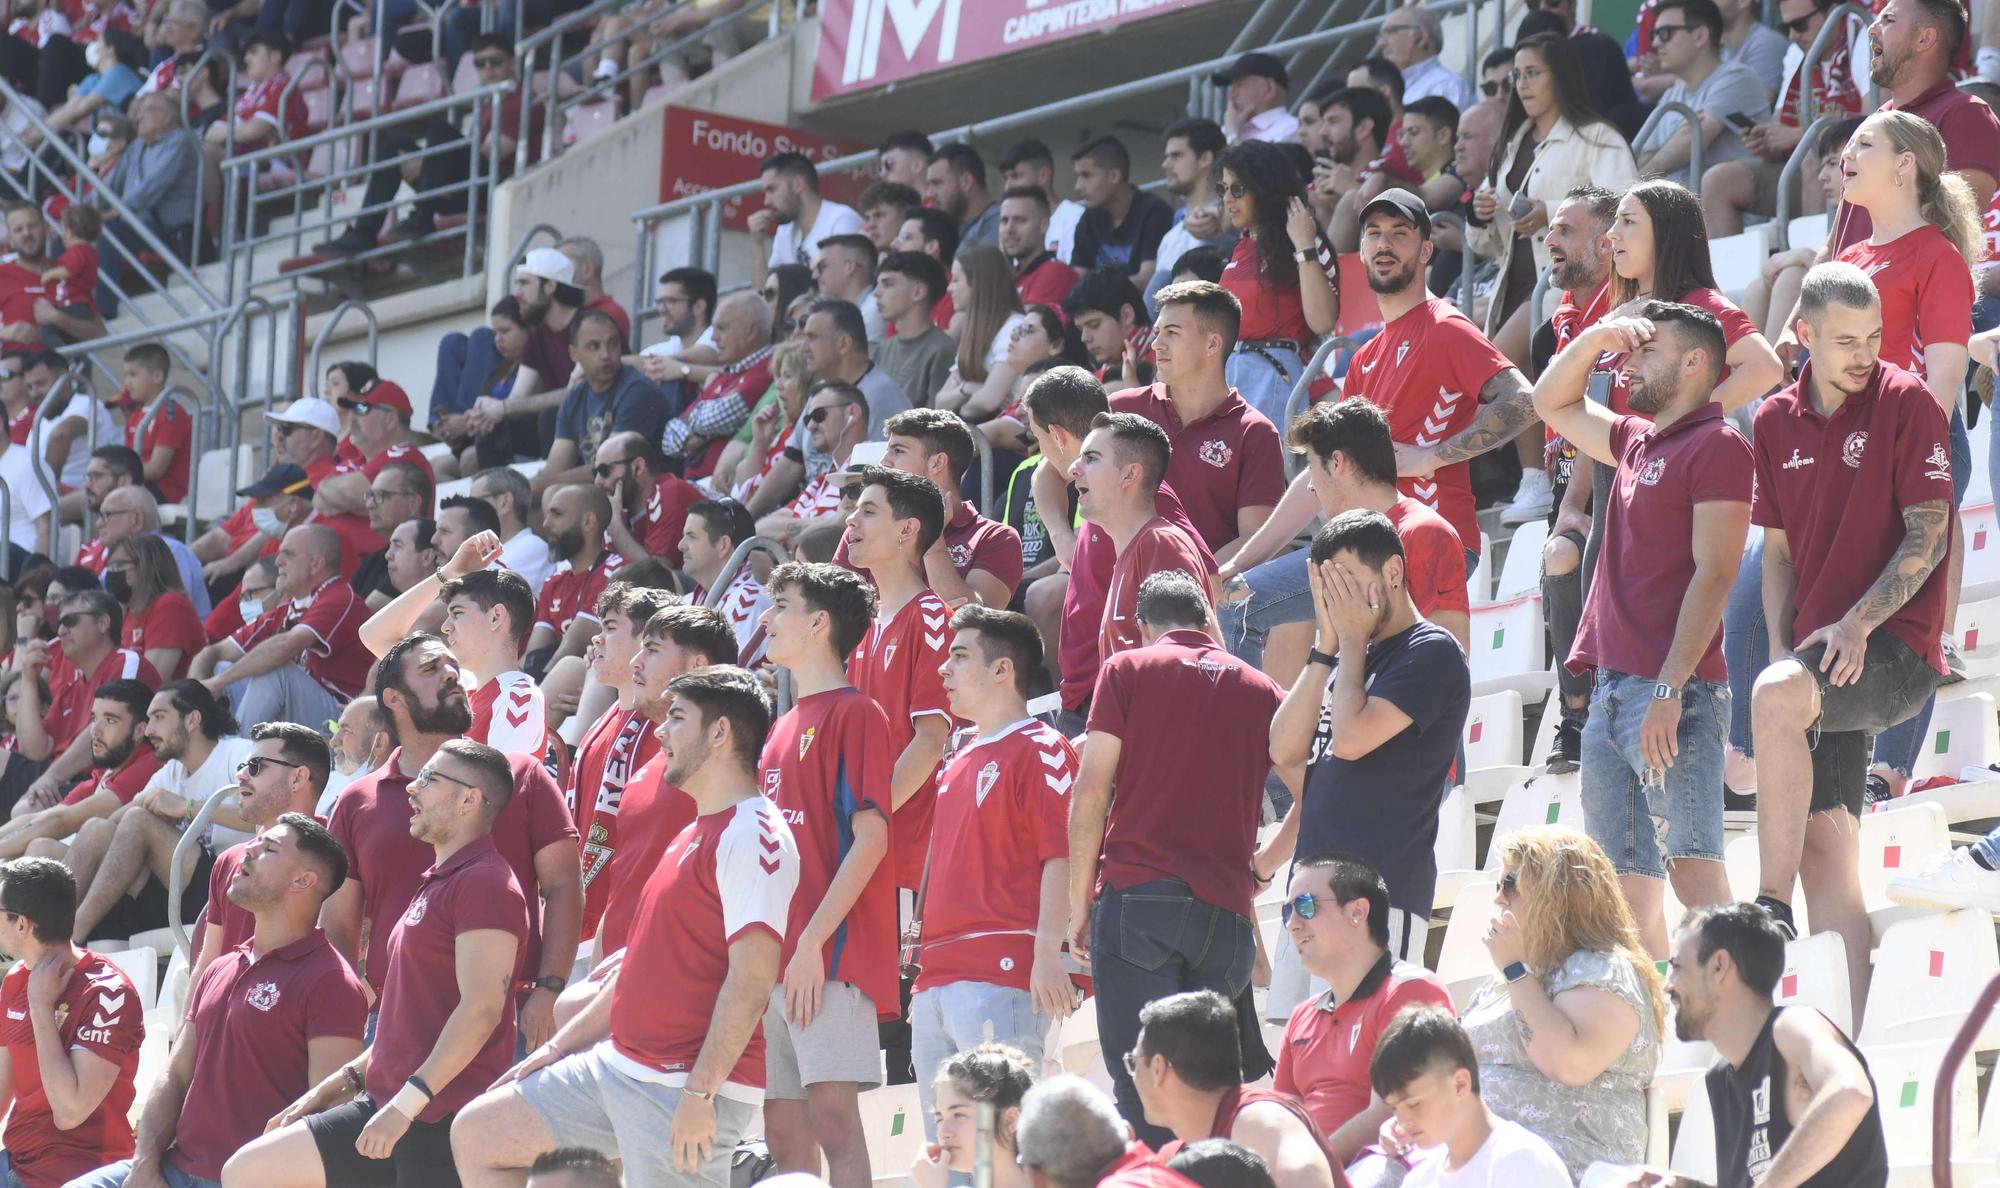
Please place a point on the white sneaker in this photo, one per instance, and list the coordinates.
(1533, 499)
(1951, 881)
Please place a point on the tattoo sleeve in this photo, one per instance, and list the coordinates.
(1507, 406)
(1926, 531)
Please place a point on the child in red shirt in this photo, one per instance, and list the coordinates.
(75, 271)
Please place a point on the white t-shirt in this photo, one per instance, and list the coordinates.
(528, 555)
(834, 219)
(996, 353)
(1062, 228)
(219, 771)
(109, 432)
(28, 499)
(671, 344)
(1511, 1157)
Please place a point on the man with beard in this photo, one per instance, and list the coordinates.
(85, 656)
(418, 684)
(611, 397)
(286, 768)
(1039, 277)
(487, 614)
(1430, 366)
(27, 315)
(574, 520)
(795, 217)
(713, 531)
(445, 1020)
(361, 743)
(955, 183)
(1792, 1099)
(123, 769)
(619, 742)
(194, 736)
(675, 1048)
(1188, 167)
(1675, 520)
(300, 660)
(523, 424)
(1354, 122)
(1580, 264)
(649, 502)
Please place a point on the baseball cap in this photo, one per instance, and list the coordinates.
(1404, 205)
(381, 391)
(283, 479)
(1254, 65)
(310, 410)
(549, 264)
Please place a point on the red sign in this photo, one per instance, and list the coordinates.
(704, 151)
(868, 43)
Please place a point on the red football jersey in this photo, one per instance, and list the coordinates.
(658, 525)
(728, 873)
(168, 621)
(99, 1013)
(1002, 813)
(568, 595)
(651, 814)
(508, 714)
(1926, 290)
(1425, 370)
(172, 427)
(826, 760)
(897, 664)
(334, 614)
(623, 740)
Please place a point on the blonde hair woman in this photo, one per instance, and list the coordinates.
(1568, 1032)
(742, 466)
(982, 289)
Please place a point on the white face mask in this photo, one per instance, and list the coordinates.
(251, 608)
(99, 144)
(267, 521)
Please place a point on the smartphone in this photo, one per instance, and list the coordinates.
(1742, 123)
(1520, 206)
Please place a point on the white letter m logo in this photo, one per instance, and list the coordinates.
(913, 20)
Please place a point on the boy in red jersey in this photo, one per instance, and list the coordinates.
(1117, 475)
(674, 1050)
(69, 1011)
(897, 519)
(827, 767)
(991, 951)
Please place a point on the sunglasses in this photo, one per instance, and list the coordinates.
(603, 469)
(255, 764)
(356, 406)
(1662, 34)
(1489, 88)
(794, 325)
(770, 294)
(1236, 190)
(1510, 884)
(818, 415)
(71, 619)
(1798, 24)
(1304, 905)
(489, 63)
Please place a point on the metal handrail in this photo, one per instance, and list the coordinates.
(228, 122)
(595, 88)
(520, 251)
(1092, 101)
(740, 557)
(178, 865)
(7, 518)
(1788, 176)
(326, 332)
(65, 387)
(1697, 147)
(193, 405)
(429, 107)
(1295, 403)
(69, 157)
(1836, 20)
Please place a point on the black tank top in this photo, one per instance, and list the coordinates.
(1752, 1125)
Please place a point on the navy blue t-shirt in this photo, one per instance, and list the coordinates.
(1126, 246)
(587, 416)
(1384, 805)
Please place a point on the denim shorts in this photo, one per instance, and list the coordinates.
(1641, 827)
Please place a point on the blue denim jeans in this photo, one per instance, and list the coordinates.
(1988, 848)
(1149, 941)
(958, 1016)
(463, 363)
(1279, 594)
(1264, 387)
(1683, 813)
(114, 1177)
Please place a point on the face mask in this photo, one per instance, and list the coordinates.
(267, 521)
(99, 144)
(92, 53)
(251, 608)
(118, 585)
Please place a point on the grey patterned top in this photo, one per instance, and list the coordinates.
(1604, 1120)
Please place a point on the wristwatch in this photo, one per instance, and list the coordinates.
(1665, 692)
(1299, 254)
(1515, 971)
(1315, 656)
(553, 983)
(698, 1094)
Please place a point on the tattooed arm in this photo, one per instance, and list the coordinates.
(1926, 531)
(1507, 407)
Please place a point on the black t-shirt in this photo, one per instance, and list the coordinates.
(1128, 245)
(1384, 805)
(1751, 1124)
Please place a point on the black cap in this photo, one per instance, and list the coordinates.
(1403, 205)
(282, 479)
(1255, 65)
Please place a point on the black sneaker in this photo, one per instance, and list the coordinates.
(418, 225)
(1738, 802)
(1568, 753)
(1781, 913)
(348, 243)
(1875, 790)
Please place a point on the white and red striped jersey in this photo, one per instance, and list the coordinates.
(508, 715)
(744, 604)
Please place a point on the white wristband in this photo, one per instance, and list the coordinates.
(409, 1101)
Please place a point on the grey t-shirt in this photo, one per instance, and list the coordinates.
(918, 365)
(1763, 52)
(1731, 90)
(885, 399)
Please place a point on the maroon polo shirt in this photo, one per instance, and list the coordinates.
(1837, 489)
(1077, 653)
(371, 819)
(1971, 136)
(253, 1017)
(1221, 464)
(1195, 727)
(1158, 547)
(471, 891)
(1648, 558)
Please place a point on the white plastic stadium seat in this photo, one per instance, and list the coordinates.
(1963, 733)
(1806, 231)
(893, 1121)
(1905, 1083)
(1982, 546)
(142, 965)
(1978, 630)
(1694, 1145)
(1927, 973)
(1540, 800)
(1898, 841)
(1463, 960)
(1739, 260)
(1816, 976)
(1457, 846)
(1479, 587)
(1507, 649)
(1521, 572)
(1493, 730)
(1741, 863)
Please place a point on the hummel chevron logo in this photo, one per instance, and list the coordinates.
(110, 1003)
(1051, 758)
(770, 865)
(1059, 784)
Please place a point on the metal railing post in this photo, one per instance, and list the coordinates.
(326, 329)
(64, 387)
(1788, 176)
(178, 865)
(1697, 148)
(1295, 403)
(1834, 25)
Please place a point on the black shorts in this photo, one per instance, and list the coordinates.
(1895, 683)
(147, 910)
(421, 1160)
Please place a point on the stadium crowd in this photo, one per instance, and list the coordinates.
(628, 808)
